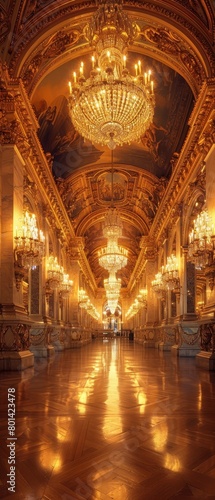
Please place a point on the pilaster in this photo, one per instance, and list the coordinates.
(14, 322)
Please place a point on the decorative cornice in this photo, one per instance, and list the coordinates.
(40, 21)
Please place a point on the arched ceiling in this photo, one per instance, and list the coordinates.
(43, 42)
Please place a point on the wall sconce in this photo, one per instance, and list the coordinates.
(55, 273)
(158, 285)
(201, 249)
(85, 303)
(65, 287)
(29, 247)
(139, 302)
(201, 241)
(170, 273)
(167, 278)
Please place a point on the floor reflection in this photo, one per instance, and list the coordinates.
(111, 420)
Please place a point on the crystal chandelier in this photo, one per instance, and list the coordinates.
(112, 257)
(201, 241)
(112, 284)
(111, 107)
(29, 242)
(112, 287)
(112, 305)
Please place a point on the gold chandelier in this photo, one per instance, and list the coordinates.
(112, 257)
(111, 107)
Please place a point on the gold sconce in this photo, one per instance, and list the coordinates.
(55, 273)
(29, 247)
(139, 303)
(201, 249)
(167, 278)
(66, 286)
(85, 303)
(170, 273)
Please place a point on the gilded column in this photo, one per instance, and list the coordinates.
(14, 323)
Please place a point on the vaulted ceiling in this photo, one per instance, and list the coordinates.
(43, 42)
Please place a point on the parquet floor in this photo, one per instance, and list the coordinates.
(112, 420)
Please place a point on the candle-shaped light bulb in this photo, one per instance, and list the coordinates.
(124, 61)
(149, 75)
(139, 67)
(152, 87)
(145, 78)
(82, 68)
(74, 76)
(135, 69)
(93, 62)
(70, 87)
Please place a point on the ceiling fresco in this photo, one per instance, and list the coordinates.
(134, 179)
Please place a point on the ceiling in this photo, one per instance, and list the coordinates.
(43, 43)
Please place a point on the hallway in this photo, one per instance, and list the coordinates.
(111, 421)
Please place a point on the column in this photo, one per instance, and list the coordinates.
(14, 322)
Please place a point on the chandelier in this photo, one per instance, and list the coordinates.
(111, 107)
(201, 241)
(112, 284)
(112, 257)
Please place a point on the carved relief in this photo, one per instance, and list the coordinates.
(4, 25)
(60, 42)
(170, 43)
(14, 337)
(207, 335)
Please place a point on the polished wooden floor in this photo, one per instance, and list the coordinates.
(112, 420)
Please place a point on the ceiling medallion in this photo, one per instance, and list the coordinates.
(111, 107)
